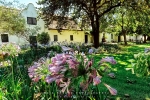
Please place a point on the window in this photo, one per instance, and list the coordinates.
(71, 37)
(31, 21)
(4, 37)
(86, 38)
(55, 38)
(111, 36)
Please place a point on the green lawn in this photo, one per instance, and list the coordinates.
(140, 88)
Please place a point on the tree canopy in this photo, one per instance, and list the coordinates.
(10, 18)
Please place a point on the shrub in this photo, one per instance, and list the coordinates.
(108, 48)
(142, 64)
(43, 38)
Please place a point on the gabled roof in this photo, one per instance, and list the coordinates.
(69, 25)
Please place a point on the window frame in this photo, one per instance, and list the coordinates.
(55, 37)
(31, 21)
(4, 40)
(71, 37)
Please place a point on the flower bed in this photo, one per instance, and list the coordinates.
(71, 73)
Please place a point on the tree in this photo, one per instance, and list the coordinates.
(125, 20)
(43, 38)
(121, 22)
(90, 11)
(30, 32)
(10, 18)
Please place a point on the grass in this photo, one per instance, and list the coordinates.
(139, 89)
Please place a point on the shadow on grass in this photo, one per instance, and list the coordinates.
(138, 88)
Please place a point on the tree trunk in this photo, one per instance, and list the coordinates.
(125, 39)
(123, 31)
(95, 30)
(96, 39)
(119, 38)
(144, 38)
(148, 38)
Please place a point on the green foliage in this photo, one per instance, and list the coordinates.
(11, 19)
(142, 64)
(43, 38)
(28, 56)
(56, 48)
(30, 32)
(108, 48)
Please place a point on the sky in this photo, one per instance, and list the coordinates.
(26, 2)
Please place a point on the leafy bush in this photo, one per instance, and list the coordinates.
(108, 48)
(43, 38)
(142, 64)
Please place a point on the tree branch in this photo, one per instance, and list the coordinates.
(110, 8)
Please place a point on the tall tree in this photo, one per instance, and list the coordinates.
(86, 10)
(10, 18)
(127, 19)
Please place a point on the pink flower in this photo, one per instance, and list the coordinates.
(58, 81)
(72, 63)
(50, 79)
(61, 62)
(96, 80)
(60, 56)
(65, 85)
(108, 59)
(90, 63)
(31, 75)
(36, 79)
(94, 73)
(53, 59)
(111, 90)
(55, 69)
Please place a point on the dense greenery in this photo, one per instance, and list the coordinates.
(16, 84)
(142, 64)
(43, 38)
(10, 18)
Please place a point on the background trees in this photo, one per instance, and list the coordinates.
(10, 18)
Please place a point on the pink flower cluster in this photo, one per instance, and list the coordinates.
(65, 69)
(10, 49)
(34, 70)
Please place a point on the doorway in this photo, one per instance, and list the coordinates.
(86, 38)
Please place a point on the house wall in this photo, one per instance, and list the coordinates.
(134, 37)
(31, 11)
(78, 36)
(108, 37)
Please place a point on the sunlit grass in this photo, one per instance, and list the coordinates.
(139, 89)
